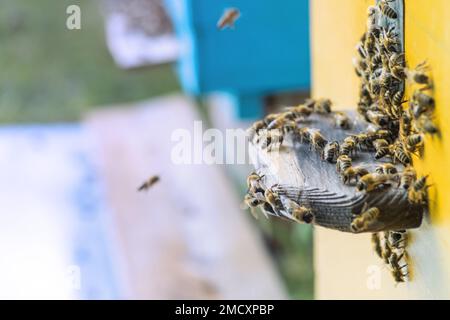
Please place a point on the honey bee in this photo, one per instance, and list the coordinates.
(363, 221)
(405, 124)
(417, 194)
(386, 168)
(343, 162)
(427, 125)
(149, 183)
(255, 129)
(284, 121)
(387, 10)
(331, 151)
(254, 183)
(349, 146)
(419, 75)
(413, 142)
(342, 120)
(274, 200)
(301, 111)
(353, 173)
(376, 243)
(323, 106)
(381, 147)
(377, 118)
(421, 103)
(389, 40)
(318, 141)
(253, 202)
(399, 154)
(305, 134)
(408, 177)
(272, 139)
(228, 18)
(300, 214)
(373, 181)
(396, 103)
(396, 269)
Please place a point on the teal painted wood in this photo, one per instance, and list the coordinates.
(266, 52)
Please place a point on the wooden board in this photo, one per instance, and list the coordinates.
(186, 237)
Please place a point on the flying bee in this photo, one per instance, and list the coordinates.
(323, 106)
(419, 75)
(376, 243)
(381, 147)
(363, 221)
(377, 118)
(421, 103)
(408, 177)
(228, 18)
(426, 125)
(343, 162)
(387, 10)
(331, 151)
(149, 183)
(373, 181)
(318, 141)
(386, 168)
(417, 194)
(400, 154)
(413, 142)
(353, 174)
(341, 120)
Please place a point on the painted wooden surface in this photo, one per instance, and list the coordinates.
(345, 265)
(186, 238)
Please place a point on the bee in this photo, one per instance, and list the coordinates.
(274, 200)
(377, 118)
(408, 177)
(397, 239)
(301, 111)
(405, 124)
(413, 142)
(396, 269)
(389, 40)
(387, 249)
(400, 155)
(299, 213)
(342, 120)
(272, 139)
(361, 50)
(331, 151)
(149, 183)
(373, 181)
(254, 183)
(228, 18)
(305, 134)
(381, 147)
(387, 10)
(253, 202)
(343, 162)
(349, 146)
(360, 67)
(419, 76)
(376, 243)
(284, 121)
(417, 194)
(421, 103)
(255, 129)
(426, 125)
(323, 106)
(364, 219)
(353, 173)
(386, 168)
(318, 141)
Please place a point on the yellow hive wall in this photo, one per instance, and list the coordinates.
(345, 265)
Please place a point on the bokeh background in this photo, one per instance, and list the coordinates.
(86, 115)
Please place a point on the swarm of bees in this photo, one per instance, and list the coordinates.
(395, 136)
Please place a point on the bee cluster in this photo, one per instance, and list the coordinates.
(394, 135)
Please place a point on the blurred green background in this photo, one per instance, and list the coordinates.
(51, 74)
